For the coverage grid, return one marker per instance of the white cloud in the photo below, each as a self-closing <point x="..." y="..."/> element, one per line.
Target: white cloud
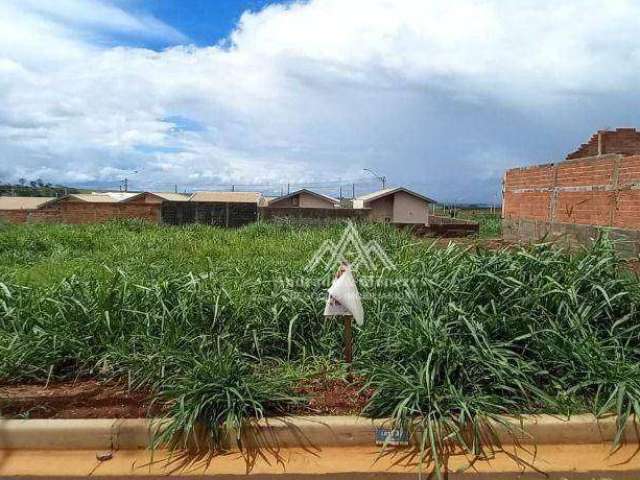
<point x="423" y="90"/>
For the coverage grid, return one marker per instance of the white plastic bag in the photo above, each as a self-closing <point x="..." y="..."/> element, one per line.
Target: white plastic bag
<point x="344" y="298"/>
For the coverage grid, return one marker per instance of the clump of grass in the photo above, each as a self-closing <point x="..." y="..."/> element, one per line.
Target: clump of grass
<point x="214" y="394"/>
<point x="492" y="334"/>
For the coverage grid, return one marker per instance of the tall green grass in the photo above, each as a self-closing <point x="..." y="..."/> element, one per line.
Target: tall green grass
<point x="222" y="324"/>
<point x="490" y="223"/>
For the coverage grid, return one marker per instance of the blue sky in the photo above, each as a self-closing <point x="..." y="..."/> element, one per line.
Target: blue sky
<point x="205" y="22"/>
<point x="440" y="96"/>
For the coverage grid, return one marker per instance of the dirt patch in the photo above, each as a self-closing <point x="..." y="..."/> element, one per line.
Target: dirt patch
<point x="333" y="396"/>
<point x="93" y="399"/>
<point x="73" y="399"/>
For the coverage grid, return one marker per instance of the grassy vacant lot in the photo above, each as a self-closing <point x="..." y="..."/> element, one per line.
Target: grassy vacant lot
<point x="490" y="223"/>
<point x="222" y="324"/>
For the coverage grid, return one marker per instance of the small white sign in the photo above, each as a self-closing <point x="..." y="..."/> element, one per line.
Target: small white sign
<point x="392" y="436"/>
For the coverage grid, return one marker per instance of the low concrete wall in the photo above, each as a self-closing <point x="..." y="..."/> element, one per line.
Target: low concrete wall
<point x="444" y="227"/>
<point x="520" y="229"/>
<point x="315" y="213"/>
<point x="299" y="431"/>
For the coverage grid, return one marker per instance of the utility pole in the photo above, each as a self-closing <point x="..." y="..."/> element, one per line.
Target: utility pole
<point x="340" y="192"/>
<point x="353" y="190"/>
<point x="288" y="189"/>
<point x="382" y="178"/>
<point x="126" y="180"/>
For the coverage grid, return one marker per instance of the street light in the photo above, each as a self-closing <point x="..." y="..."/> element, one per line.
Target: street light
<point x="382" y="178"/>
<point x="125" y="181"/>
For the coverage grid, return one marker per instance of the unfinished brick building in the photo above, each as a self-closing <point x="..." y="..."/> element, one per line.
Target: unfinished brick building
<point x="624" y="141"/>
<point x="596" y="188"/>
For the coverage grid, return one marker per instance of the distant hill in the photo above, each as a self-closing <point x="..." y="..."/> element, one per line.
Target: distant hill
<point x="35" y="188"/>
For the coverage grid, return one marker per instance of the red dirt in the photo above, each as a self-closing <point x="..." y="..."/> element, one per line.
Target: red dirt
<point x="79" y="399"/>
<point x="333" y="396"/>
<point x="92" y="399"/>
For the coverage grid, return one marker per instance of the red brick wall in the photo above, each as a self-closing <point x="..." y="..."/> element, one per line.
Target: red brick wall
<point x="528" y="193"/>
<point x="14" y="216"/>
<point x="74" y="211"/>
<point x="50" y="213"/>
<point x="83" y="212"/>
<point x="625" y="141"/>
<point x="603" y="191"/>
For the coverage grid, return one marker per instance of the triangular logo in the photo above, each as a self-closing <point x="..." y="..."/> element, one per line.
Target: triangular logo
<point x="349" y="248"/>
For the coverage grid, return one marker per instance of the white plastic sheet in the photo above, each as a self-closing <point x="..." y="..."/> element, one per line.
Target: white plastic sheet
<point x="344" y="298"/>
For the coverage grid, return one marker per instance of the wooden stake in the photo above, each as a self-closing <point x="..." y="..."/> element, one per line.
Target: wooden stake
<point x="348" y="340"/>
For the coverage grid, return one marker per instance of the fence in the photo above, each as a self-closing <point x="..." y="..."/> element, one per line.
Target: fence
<point x="223" y="214"/>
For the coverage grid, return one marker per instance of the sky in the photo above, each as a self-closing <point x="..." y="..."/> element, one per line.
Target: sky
<point x="439" y="96"/>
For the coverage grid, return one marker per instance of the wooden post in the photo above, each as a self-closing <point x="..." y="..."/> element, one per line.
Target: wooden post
<point x="348" y="339"/>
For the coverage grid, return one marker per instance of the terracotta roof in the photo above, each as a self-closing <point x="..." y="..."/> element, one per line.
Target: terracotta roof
<point x="226" y="197"/>
<point x="172" y="197"/>
<point x="335" y="201"/>
<point x="389" y="191"/>
<point x="24" y="203"/>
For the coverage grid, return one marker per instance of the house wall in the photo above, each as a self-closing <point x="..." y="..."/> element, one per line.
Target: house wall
<point x="381" y="209"/>
<point x="305" y="200"/>
<point x="311" y="201"/>
<point x="284" y="203"/>
<point x="601" y="191"/>
<point x="409" y="209"/>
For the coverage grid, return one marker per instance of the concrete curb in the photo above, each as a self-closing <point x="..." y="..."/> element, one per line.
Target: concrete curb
<point x="287" y="432"/>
